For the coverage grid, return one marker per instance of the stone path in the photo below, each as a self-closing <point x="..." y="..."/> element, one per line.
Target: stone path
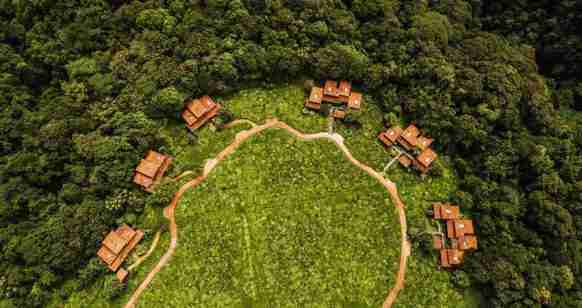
<point x="169" y="211"/>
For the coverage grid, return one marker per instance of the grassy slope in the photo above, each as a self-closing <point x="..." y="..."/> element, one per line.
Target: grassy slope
<point x="243" y="242"/>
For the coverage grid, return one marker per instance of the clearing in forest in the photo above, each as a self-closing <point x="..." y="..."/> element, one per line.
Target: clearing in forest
<point x="290" y="221"/>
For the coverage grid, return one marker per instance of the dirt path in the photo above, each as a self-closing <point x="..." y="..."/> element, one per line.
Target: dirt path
<point x="169" y="211"/>
<point x="144" y="257"/>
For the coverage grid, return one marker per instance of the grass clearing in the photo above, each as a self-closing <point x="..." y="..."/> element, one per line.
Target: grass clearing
<point x="286" y="223"/>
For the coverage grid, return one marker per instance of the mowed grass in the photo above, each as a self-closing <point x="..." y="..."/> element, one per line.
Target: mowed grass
<point x="285" y="223"/>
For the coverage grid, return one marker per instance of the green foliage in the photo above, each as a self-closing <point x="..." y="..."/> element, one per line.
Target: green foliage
<point x="433" y="27"/>
<point x="112" y="288"/>
<point x="340" y="61"/>
<point x="82" y="67"/>
<point x="168" y="101"/>
<point x="83" y="81"/>
<point x="156" y="19"/>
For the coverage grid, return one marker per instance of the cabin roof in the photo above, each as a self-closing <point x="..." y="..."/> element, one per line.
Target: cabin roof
<point x="393" y="133"/>
<point x="467" y="242"/>
<point x="426" y="157"/>
<point x="460" y="227"/>
<point x="148" y="168"/>
<point x="446" y="211"/>
<point x="199" y="111"/>
<point x="355" y="100"/>
<point x="330" y="88"/>
<point x="344" y="88"/>
<point x="198" y="107"/>
<point x="316" y="95"/>
<point x="410" y="135"/>
<point x="151" y="169"/>
<point x="404" y="160"/>
<point x="424" y="142"/>
<point x="437" y="242"/>
<point x="117" y="244"/>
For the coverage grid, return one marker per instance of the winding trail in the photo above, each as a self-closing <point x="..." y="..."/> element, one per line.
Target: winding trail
<point x="144" y="257"/>
<point x="169" y="211"/>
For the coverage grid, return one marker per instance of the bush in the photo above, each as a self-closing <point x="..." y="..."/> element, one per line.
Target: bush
<point x="89" y="273"/>
<point x="168" y="101"/>
<point x="112" y="288"/>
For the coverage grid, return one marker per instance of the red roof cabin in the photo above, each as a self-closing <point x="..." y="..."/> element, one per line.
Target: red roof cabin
<point x="404" y="160"/>
<point x="390" y="136"/>
<point x="446" y="211"/>
<point x="116" y="247"/>
<point x="465" y="243"/>
<point x="408" y="138"/>
<point x="330" y="88"/>
<point x="345" y="88"/>
<point x="424" y="161"/>
<point x="334" y="94"/>
<point x="338" y="113"/>
<point x="151" y="170"/>
<point x="451" y="258"/>
<point x="199" y="111"/>
<point x="355" y="101"/>
<point x="438" y="242"/>
<point x="315" y="97"/>
<point x="423" y="142"/>
<point x="460" y="227"/>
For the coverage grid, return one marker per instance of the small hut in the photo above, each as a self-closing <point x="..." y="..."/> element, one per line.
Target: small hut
<point x="451" y="258"/>
<point x="116" y="247"/>
<point x="199" y="111"/>
<point x="355" y="101"/>
<point x="314" y="100"/>
<point x="423" y="142"/>
<point x="424" y="161"/>
<point x="330" y="88"/>
<point x="465" y="243"/>
<point x="151" y="169"/>
<point x="460" y="227"/>
<point x="446" y="211"/>
<point x="338" y="113"/>
<point x="404" y="160"/>
<point x="345" y="88"/>
<point x="438" y="242"/>
<point x="334" y="94"/>
<point x="389" y="137"/>
<point x="408" y="138"/>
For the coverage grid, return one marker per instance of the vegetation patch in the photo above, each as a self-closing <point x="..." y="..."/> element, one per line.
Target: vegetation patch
<point x="291" y="222"/>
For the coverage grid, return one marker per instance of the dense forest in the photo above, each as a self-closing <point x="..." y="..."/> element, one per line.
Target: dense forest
<point x="85" y="85"/>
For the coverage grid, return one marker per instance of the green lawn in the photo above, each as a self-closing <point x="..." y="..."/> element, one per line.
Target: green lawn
<point x="285" y="223"/>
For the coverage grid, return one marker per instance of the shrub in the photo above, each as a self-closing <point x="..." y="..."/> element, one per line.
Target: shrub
<point x="112" y="287"/>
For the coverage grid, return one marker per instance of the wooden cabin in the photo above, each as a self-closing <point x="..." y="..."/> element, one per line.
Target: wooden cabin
<point x="314" y="100"/>
<point x="116" y="247"/>
<point x="408" y="138"/>
<point x="355" y="101"/>
<point x="425" y="160"/>
<point x="465" y="242"/>
<point x="390" y="136"/>
<point x="423" y="142"/>
<point x="460" y="227"/>
<point x="404" y="160"/>
<point x="338" y="113"/>
<point x="345" y="88"/>
<point x="451" y="258"/>
<point x="198" y="111"/>
<point x="122" y="274"/>
<point x="446" y="211"/>
<point x="334" y="94"/>
<point x="151" y="169"/>
<point x="330" y="88"/>
<point x="438" y="242"/>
